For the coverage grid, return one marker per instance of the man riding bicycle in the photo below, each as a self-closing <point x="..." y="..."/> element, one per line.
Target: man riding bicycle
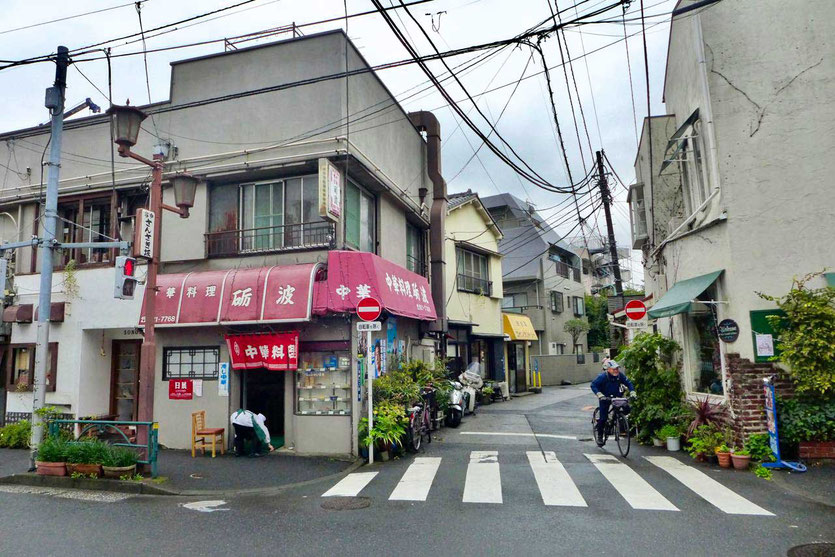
<point x="609" y="384"/>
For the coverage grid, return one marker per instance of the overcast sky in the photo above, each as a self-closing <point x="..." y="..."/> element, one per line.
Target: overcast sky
<point x="527" y="124"/>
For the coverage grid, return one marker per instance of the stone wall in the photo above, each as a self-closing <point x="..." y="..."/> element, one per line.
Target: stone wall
<point x="565" y="367"/>
<point x="746" y="396"/>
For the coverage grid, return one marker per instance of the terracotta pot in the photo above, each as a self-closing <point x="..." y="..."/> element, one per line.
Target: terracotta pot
<point x="116" y="472"/>
<point x="724" y="459"/>
<point x="658" y="442"/>
<point x="86" y="469"/>
<point x="741" y="461"/>
<point x="51" y="468"/>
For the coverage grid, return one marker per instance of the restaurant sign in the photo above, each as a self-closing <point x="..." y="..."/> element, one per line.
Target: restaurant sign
<point x="273" y="351"/>
<point x="330" y="191"/>
<point x="180" y="389"/>
<point x="143" y="239"/>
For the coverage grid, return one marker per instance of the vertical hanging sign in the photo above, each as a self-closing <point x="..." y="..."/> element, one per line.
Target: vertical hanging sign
<point x="223" y="380"/>
<point x="143" y="236"/>
<point x="330" y="190"/>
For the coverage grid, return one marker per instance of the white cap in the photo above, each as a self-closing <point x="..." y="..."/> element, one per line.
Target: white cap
<point x="611" y="364"/>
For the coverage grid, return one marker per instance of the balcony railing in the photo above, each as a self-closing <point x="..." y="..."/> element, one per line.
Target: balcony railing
<point x="567" y="271"/>
<point x="287" y="237"/>
<point x="476" y="285"/>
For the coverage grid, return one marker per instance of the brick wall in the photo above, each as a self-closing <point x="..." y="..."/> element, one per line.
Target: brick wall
<point x="817" y="449"/>
<point x="746" y="396"/>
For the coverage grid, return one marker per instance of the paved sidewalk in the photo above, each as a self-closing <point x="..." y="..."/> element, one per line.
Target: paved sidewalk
<point x="816" y="484"/>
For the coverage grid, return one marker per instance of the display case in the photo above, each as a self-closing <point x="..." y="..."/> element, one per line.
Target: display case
<point x="323" y="384"/>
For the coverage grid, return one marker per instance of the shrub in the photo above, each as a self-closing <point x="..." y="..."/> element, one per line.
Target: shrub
<point x="806" y="336"/>
<point x="762" y="472"/>
<point x="668" y="430"/>
<point x="759" y="447"/>
<point x="119" y="457"/>
<point x="16" y="436"/>
<point x="390" y="423"/>
<point x="53" y="450"/>
<point x="806" y="419"/>
<point x="647" y="361"/>
<point x="396" y="386"/>
<point x="705" y="440"/>
<point x="706" y="413"/>
<point x="87" y="452"/>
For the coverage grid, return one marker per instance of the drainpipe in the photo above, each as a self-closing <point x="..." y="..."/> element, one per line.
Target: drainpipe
<point x="426" y="122"/>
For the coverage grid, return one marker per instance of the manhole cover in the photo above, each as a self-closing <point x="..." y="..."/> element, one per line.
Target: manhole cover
<point x="813" y="550"/>
<point x="346" y="503"/>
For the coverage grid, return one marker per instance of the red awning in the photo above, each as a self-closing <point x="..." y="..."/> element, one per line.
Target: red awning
<point x="273" y="351"/>
<point x="353" y="276"/>
<point x="280" y="294"/>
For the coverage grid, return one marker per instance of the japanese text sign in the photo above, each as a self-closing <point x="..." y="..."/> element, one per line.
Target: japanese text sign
<point x="273" y="351"/>
<point x="330" y="190"/>
<point x="143" y="241"/>
<point x="180" y="389"/>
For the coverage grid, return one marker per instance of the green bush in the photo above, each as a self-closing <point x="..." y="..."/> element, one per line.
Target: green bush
<point x="397" y="386"/>
<point x="705" y="440"/>
<point x="762" y="472"/>
<point x="390" y="422"/>
<point x="87" y="452"/>
<point x="53" y="450"/>
<point x="759" y="447"/>
<point x="16" y="436"/>
<point x="119" y="457"/>
<point x="668" y="430"/>
<point x="648" y="362"/>
<point x="806" y="419"/>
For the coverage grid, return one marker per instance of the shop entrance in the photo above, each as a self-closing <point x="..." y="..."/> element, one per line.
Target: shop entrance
<point x="263" y="393"/>
<point x="516" y="367"/>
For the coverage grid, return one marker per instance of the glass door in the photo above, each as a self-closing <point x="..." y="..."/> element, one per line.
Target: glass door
<point x="124" y="381"/>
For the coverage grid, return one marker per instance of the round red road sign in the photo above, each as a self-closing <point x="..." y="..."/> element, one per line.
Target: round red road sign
<point x="369" y="309"/>
<point x="635" y="310"/>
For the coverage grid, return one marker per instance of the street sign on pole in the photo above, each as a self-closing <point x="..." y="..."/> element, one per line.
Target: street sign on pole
<point x="635" y="310"/>
<point x="365" y="326"/>
<point x="639" y="324"/>
<point x="369" y="309"/>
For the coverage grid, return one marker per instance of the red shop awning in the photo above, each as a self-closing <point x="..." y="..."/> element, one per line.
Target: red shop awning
<point x="274" y="351"/>
<point x="353" y="276"/>
<point x="280" y="294"/>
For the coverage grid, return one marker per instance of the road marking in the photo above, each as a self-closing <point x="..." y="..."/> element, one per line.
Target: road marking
<point x="484" y="482"/>
<point x="632" y="487"/>
<point x="707" y="488"/>
<point x="510" y="434"/>
<point x="77" y="494"/>
<point x="415" y="483"/>
<point x="205" y="506"/>
<point x="555" y="485"/>
<point x="350" y="485"/>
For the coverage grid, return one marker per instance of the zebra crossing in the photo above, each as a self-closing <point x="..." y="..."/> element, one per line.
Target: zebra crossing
<point x="483" y="482"/>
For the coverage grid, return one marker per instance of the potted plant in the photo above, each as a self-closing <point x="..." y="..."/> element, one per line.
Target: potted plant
<point x="52" y="457"/>
<point x="741" y="459"/>
<point x="704" y="441"/>
<point x="487" y="395"/>
<point x="723" y="454"/>
<point x="118" y="462"/>
<point x="86" y="457"/>
<point x="672" y="434"/>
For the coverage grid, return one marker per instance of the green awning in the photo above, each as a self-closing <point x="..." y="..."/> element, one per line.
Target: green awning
<point x="679" y="298"/>
<point x="830" y="279"/>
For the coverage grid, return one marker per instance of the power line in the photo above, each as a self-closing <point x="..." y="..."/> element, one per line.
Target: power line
<point x="591" y="88"/>
<point x="69" y="17"/>
<point x="629" y="70"/>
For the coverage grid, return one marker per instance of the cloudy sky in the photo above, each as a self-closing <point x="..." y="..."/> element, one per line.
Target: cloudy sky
<point x="602" y="76"/>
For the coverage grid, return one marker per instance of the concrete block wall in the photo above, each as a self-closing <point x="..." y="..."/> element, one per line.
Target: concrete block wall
<point x="564" y="367"/>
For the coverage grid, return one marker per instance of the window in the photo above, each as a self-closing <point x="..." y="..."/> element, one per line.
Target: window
<point x="578" y="304"/>
<point x="360" y="219"/>
<point x="556" y="348"/>
<point x="693" y="166"/>
<point x="515" y="302"/>
<point x="190" y="362"/>
<point x="19" y="364"/>
<point x="84" y="220"/>
<point x="557" y="302"/>
<point x="638" y="213"/>
<point x="472" y="272"/>
<point x="415" y="250"/>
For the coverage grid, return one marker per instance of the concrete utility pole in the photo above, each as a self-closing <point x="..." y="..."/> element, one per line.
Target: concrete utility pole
<point x="607" y="200"/>
<point x="55" y="103"/>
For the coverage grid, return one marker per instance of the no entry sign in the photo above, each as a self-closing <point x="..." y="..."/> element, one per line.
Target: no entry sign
<point x="369" y="309"/>
<point x="636" y="310"/>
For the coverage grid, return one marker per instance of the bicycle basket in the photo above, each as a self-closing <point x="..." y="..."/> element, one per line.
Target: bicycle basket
<point x="620" y="403"/>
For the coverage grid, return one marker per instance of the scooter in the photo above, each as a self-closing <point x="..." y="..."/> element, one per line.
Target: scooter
<point x="472" y="383"/>
<point x="456" y="405"/>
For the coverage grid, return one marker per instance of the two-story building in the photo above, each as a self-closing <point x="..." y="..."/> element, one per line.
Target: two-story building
<point x="296" y="218"/>
<point x="542" y="277"/>
<point x="733" y="191"/>
<point x="474" y="286"/>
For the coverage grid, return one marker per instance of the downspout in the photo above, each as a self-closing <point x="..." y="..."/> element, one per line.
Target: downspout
<point x="425" y="122"/>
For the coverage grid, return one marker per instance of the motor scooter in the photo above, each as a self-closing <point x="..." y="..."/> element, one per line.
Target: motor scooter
<point x="472" y="384"/>
<point x="456" y="405"/>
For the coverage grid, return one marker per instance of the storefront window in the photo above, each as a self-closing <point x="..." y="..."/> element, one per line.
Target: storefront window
<point x="323" y="384"/>
<point x="705" y="359"/>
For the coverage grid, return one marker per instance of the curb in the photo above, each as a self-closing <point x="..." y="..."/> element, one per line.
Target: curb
<point x="143" y="488"/>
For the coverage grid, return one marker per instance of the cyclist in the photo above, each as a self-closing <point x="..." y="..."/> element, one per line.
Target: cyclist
<point x="608" y="384"/>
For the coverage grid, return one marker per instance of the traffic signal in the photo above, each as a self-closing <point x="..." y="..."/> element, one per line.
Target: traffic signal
<point x="125" y="277"/>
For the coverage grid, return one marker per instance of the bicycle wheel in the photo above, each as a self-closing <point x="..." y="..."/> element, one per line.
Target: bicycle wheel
<point x="415" y="426"/>
<point x="594" y="419"/>
<point x="622" y="431"/>
<point x="427" y="425"/>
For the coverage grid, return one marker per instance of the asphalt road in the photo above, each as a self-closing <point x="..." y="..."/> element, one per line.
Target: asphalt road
<point x="589" y="513"/>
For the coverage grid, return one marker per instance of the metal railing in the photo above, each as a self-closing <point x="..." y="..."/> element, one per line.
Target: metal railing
<point x="286" y="237"/>
<point x="151" y="448"/>
<point x="567" y="271"/>
<point x="476" y="285"/>
<point x="416" y="265"/>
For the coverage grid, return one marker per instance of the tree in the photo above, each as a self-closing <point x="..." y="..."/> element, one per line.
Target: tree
<point x="575" y="328"/>
<point x="596" y="311"/>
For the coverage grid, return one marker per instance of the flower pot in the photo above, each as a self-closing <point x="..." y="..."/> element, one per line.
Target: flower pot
<point x="741" y="461"/>
<point x="86" y="469"/>
<point x="385" y="456"/>
<point x="673" y="444"/>
<point x="51" y="468"/>
<point x="116" y="472"/>
<point x="658" y="442"/>
<point x="724" y="459"/>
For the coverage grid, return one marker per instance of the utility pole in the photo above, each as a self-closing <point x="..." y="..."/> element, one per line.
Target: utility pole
<point x="55" y="103"/>
<point x="606" y="195"/>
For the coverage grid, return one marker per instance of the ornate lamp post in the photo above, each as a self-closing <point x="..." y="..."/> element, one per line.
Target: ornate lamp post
<point x="126" y="123"/>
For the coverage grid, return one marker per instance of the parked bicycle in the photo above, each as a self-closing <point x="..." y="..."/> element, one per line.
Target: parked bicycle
<point x="420" y="422"/>
<point x="617" y="423"/>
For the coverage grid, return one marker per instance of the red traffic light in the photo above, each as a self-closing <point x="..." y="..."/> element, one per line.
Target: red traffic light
<point x="130" y="265"/>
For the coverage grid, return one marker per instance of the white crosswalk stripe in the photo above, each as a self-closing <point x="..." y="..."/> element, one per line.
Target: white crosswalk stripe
<point x="484" y="482"/>
<point x="707" y="488"/>
<point x="555" y="485"/>
<point x="351" y="485"/>
<point x="416" y="482"/>
<point x="637" y="492"/>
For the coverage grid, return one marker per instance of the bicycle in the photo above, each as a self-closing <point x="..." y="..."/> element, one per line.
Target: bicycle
<point x="617" y="421"/>
<point x="420" y="423"/>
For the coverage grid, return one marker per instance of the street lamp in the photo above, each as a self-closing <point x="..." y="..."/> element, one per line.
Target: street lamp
<point x="126" y="121"/>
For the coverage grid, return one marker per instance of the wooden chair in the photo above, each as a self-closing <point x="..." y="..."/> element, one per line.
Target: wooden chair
<point x="200" y="433"/>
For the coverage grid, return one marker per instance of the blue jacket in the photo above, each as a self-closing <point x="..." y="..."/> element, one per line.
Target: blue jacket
<point x="609" y="385"/>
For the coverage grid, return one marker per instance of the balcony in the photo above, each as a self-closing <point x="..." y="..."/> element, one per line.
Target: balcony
<point x="566" y="271"/>
<point x="474" y="285"/>
<point x="271" y="239"/>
